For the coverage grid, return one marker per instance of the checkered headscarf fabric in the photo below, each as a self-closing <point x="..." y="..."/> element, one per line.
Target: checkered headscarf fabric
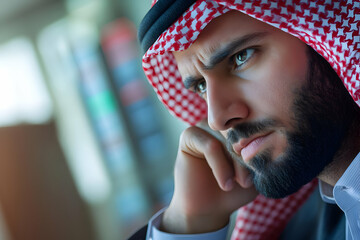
<point x="328" y="26"/>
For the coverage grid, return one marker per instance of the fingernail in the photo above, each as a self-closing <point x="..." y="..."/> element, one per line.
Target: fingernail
<point x="229" y="185"/>
<point x="249" y="181"/>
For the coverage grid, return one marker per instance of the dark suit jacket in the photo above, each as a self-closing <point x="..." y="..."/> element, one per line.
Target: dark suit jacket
<point x="140" y="234"/>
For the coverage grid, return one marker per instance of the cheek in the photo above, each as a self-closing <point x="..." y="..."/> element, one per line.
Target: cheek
<point x="276" y="81"/>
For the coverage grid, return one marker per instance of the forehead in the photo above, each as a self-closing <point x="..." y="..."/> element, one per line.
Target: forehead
<point x="217" y="34"/>
<point x="226" y="27"/>
<point x="231" y="23"/>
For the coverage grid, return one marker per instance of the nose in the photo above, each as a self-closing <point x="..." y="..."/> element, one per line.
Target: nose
<point x="226" y="105"/>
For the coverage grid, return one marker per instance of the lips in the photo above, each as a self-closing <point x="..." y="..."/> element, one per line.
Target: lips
<point x="249" y="147"/>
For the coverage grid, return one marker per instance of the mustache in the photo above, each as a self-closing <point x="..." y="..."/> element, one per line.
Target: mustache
<point x="247" y="129"/>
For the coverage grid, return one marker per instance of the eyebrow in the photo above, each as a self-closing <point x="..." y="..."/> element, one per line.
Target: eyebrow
<point x="219" y="55"/>
<point x="222" y="53"/>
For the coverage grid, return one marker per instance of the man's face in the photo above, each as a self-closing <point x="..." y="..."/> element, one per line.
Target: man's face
<point x="258" y="85"/>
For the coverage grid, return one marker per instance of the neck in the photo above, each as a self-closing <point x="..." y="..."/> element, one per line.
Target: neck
<point x="343" y="158"/>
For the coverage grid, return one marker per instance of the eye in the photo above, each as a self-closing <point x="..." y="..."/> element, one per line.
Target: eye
<point x="200" y="87"/>
<point x="243" y="56"/>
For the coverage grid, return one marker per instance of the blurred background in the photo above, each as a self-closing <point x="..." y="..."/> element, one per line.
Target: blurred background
<point x="86" y="149"/>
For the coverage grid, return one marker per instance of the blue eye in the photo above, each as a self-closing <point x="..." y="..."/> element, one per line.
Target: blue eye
<point x="200" y="87"/>
<point x="243" y="56"/>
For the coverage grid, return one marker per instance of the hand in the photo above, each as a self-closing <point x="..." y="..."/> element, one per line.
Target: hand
<point x="209" y="186"/>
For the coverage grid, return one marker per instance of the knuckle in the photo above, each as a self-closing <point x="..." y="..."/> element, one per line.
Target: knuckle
<point x="184" y="133"/>
<point x="188" y="132"/>
<point x="213" y="145"/>
<point x="198" y="142"/>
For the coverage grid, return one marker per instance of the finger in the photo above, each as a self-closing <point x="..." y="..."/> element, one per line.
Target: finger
<point x="242" y="175"/>
<point x="202" y="145"/>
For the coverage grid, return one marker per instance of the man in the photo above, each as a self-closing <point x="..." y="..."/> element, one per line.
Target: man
<point x="282" y="108"/>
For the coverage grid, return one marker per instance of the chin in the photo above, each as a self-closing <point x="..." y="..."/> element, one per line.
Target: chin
<point x="280" y="177"/>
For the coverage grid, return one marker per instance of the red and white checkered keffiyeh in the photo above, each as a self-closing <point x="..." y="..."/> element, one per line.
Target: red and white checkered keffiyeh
<point x="331" y="27"/>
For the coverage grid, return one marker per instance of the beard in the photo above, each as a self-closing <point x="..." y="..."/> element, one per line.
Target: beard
<point x="323" y="112"/>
